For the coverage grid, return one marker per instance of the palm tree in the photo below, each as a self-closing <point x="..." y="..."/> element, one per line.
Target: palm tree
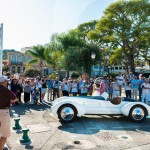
<point x="38" y="56"/>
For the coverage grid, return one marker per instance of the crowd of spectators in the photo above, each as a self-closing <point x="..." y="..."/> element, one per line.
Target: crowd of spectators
<point x="34" y="89"/>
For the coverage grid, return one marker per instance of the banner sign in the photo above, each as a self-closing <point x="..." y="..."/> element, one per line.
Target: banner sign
<point x="1" y="48"/>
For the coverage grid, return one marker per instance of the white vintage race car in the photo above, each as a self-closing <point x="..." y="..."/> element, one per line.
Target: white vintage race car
<point x="68" y="108"/>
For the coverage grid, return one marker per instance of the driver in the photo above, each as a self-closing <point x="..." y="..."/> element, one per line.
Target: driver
<point x="96" y="88"/>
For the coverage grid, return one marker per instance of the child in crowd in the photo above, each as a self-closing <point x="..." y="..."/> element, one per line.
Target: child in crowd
<point x="35" y="95"/>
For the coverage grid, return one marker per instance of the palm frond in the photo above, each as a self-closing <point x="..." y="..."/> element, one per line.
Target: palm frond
<point x="32" y="53"/>
<point x="31" y="62"/>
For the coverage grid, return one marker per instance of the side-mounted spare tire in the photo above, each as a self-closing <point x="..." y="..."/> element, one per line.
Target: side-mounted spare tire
<point x="67" y="113"/>
<point x="116" y="100"/>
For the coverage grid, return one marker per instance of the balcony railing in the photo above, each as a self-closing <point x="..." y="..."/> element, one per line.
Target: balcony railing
<point x="16" y="63"/>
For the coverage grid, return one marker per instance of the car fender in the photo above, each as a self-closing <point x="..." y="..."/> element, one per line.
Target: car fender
<point x="125" y="110"/>
<point x="79" y="107"/>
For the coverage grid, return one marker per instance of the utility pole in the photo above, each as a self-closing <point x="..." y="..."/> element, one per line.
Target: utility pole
<point x="1" y="48"/>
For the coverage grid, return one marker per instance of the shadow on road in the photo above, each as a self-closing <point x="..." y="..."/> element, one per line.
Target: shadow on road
<point x="23" y="109"/>
<point x="94" y="124"/>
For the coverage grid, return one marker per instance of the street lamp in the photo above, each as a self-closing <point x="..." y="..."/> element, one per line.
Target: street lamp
<point x="107" y="62"/>
<point x="93" y="55"/>
<point x="107" y="57"/>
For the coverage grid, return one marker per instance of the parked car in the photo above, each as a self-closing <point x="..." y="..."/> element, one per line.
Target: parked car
<point x="68" y="108"/>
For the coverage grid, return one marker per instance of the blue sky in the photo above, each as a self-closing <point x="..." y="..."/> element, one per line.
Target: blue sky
<point x="31" y="22"/>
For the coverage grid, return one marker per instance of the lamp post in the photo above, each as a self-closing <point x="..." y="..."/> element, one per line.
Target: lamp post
<point x="44" y="69"/>
<point x="93" y="55"/>
<point x="99" y="70"/>
<point x="108" y="69"/>
<point x="107" y="62"/>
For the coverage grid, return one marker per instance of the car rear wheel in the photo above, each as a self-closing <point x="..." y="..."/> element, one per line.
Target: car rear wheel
<point x="67" y="113"/>
<point x="138" y="113"/>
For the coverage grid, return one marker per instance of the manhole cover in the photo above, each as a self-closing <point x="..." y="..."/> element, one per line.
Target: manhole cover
<point x="125" y="137"/>
<point x="37" y="128"/>
<point x="77" y="142"/>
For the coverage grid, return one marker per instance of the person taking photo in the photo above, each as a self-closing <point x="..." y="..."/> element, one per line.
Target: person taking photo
<point x="6" y="97"/>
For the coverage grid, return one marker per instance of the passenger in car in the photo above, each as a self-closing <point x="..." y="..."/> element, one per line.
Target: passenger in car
<point x="96" y="88"/>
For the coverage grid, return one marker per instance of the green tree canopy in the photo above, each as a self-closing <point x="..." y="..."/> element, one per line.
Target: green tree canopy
<point x="77" y="52"/>
<point x="125" y="25"/>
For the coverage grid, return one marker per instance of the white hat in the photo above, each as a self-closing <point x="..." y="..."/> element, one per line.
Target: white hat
<point x="3" y="78"/>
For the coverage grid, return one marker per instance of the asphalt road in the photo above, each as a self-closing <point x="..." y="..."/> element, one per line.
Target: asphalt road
<point x="85" y="133"/>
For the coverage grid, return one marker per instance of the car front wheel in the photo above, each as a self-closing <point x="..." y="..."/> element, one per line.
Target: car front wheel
<point x="138" y="113"/>
<point x="67" y="113"/>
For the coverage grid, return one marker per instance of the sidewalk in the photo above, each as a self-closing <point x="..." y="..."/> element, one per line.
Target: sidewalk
<point x="36" y="119"/>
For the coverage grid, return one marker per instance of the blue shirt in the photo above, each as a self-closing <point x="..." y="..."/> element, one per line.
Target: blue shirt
<point x="50" y="84"/>
<point x="135" y="83"/>
<point x="56" y="84"/>
<point x="65" y="87"/>
<point x="84" y="88"/>
<point x="80" y="82"/>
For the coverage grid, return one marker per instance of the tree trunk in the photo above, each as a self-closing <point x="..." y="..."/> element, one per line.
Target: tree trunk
<point x="131" y="63"/>
<point x="67" y="74"/>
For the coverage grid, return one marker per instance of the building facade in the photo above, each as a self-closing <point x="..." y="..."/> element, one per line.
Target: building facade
<point x="16" y="62"/>
<point x="102" y="70"/>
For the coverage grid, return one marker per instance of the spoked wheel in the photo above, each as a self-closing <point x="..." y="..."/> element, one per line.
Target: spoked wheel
<point x="138" y="114"/>
<point x="67" y="113"/>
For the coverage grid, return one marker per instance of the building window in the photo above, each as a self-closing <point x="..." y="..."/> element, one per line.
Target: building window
<point x="18" y="70"/>
<point x="13" y="59"/>
<point x="120" y="68"/>
<point x="13" y="69"/>
<point x="95" y="67"/>
<point x="19" y="60"/>
<point x="116" y="68"/>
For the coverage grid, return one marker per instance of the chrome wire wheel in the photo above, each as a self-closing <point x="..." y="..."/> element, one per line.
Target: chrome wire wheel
<point x="138" y="114"/>
<point x="67" y="114"/>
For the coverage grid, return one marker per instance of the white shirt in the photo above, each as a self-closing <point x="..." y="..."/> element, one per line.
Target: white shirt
<point x="120" y="80"/>
<point x="127" y="87"/>
<point x="146" y="91"/>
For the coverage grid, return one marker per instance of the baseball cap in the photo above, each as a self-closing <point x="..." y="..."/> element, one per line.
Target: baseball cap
<point x="2" y="79"/>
